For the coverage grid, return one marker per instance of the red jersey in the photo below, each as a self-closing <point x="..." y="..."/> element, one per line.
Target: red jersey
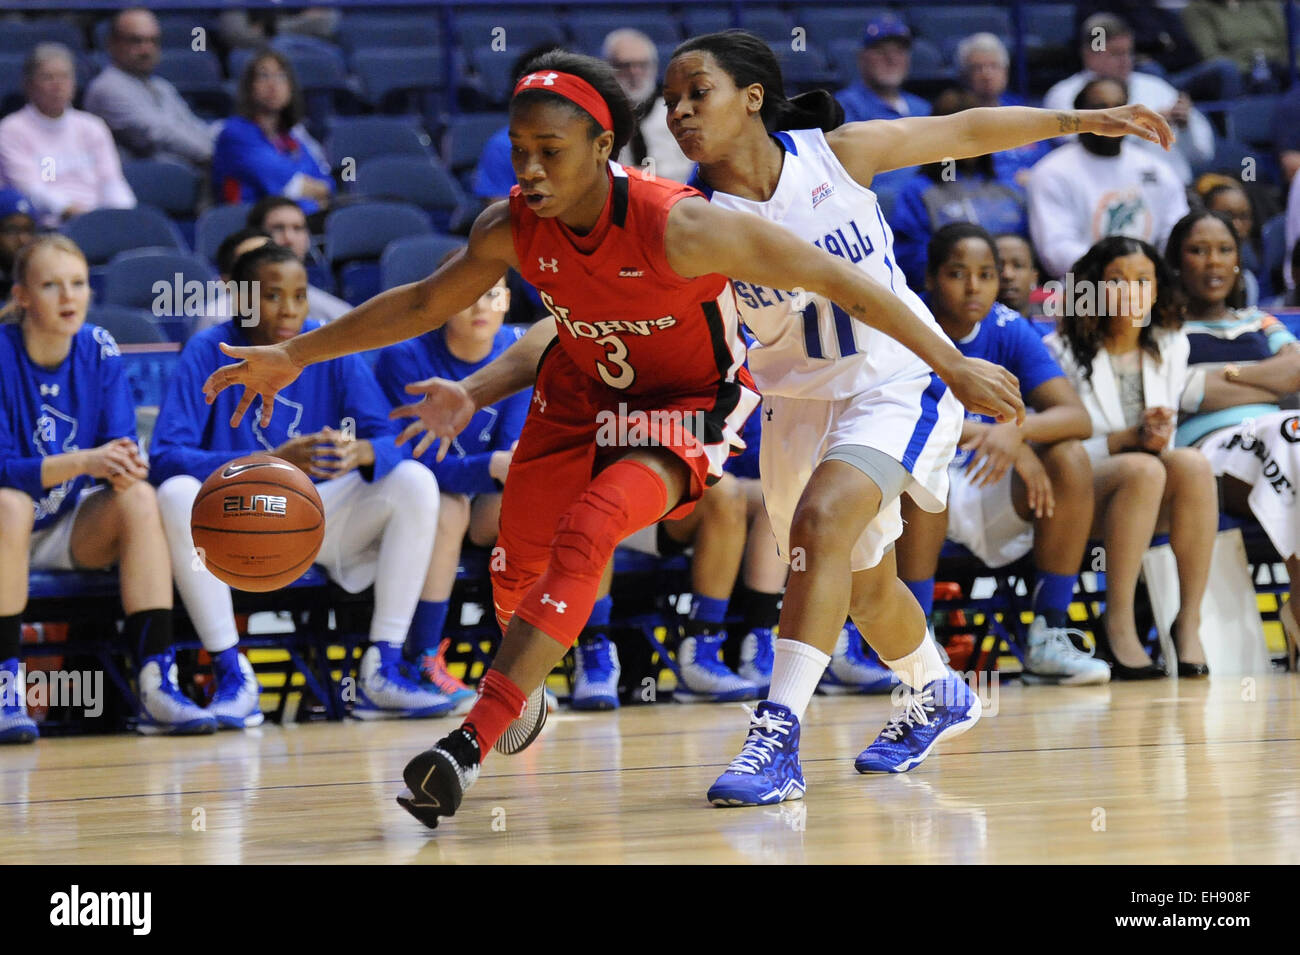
<point x="624" y="316"/>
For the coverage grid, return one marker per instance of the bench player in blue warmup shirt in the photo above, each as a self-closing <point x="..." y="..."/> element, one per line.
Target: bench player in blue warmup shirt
<point x="381" y="508"/>
<point x="1012" y="488"/>
<point x="72" y="488"/>
<point x="471" y="475"/>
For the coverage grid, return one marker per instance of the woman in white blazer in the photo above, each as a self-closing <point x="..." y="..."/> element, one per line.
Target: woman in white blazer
<point x="1120" y="342"/>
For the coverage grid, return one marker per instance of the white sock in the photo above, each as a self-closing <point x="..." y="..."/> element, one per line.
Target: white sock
<point x="207" y="600"/>
<point x="919" y="667"/>
<point x="796" y="670"/>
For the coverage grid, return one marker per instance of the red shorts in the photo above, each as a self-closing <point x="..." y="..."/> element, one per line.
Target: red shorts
<point x="577" y="426"/>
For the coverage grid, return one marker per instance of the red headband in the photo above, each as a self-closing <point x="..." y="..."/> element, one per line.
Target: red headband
<point x="573" y="88"/>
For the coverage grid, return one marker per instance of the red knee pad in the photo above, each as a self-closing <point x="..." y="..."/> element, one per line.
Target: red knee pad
<point x="623" y="498"/>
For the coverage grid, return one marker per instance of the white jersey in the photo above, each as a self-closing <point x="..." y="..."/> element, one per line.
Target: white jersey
<point x="809" y="347"/>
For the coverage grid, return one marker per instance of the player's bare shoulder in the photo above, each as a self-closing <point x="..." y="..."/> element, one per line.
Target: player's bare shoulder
<point x="859" y="147"/>
<point x="688" y="234"/>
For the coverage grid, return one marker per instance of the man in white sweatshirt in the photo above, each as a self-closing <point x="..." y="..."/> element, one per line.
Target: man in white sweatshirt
<point x="1099" y="186"/>
<point x="1106" y="47"/>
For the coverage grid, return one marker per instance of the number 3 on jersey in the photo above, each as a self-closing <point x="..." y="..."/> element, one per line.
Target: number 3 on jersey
<point x="623" y="374"/>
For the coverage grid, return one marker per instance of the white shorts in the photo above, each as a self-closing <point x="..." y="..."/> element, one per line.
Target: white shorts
<point x="985" y="522"/>
<point x="916" y="422"/>
<point x="51" y="547"/>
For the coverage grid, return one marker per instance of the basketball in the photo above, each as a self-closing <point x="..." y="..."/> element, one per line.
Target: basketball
<point x="258" y="523"/>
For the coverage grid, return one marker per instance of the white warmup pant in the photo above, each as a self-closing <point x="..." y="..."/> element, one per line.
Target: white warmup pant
<point x="378" y="532"/>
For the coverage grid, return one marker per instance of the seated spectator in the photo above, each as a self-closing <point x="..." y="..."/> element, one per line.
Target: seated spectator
<point x="714" y="533"/>
<point x="264" y="150"/>
<point x="1100" y="186"/>
<point x="381" y="509"/>
<point x="963" y="190"/>
<point x="1250" y="33"/>
<point x="61" y="158"/>
<point x="284" y="221"/>
<point x="17" y="229"/>
<point x="1226" y="195"/>
<point x="1123" y="348"/>
<point x="1252" y="362"/>
<point x="73" y="493"/>
<point x="635" y="60"/>
<point x="1020" y="275"/>
<point x="884" y="62"/>
<point x="1106" y="46"/>
<point x="146" y="114"/>
<point x="1012" y="488"/>
<point x="471" y="476"/>
<point x="256" y="28"/>
<point x="1163" y="47"/>
<point x="983" y="62"/>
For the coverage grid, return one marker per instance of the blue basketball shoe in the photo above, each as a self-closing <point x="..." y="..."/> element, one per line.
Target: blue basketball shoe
<point x="852" y="670"/>
<point x="944" y="708"/>
<point x="595" y="674"/>
<point x="757" y="657"/>
<point x="767" y="768"/>
<point x="15" y="725"/>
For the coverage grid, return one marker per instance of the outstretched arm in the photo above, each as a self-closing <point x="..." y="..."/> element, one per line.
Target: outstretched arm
<point x="445" y="407"/>
<point x="702" y="238"/>
<point x="880" y="145"/>
<point x="392" y="316"/>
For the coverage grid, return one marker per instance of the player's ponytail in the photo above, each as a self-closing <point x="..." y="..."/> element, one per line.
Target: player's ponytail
<point x="12" y="313"/>
<point x="747" y="59"/>
<point x="600" y="75"/>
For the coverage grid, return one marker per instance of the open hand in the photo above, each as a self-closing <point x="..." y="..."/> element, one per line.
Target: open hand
<point x="262" y="370"/>
<point x="1131" y="120"/>
<point x="442" y="412"/>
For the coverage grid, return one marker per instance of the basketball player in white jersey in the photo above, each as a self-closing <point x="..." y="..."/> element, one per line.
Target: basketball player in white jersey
<point x="851" y="418"/>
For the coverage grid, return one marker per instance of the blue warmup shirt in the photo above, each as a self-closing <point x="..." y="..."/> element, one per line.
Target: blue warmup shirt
<point x="81" y="404"/>
<point x="495" y="428"/>
<point x="1006" y="338"/>
<point x="195" y="438"/>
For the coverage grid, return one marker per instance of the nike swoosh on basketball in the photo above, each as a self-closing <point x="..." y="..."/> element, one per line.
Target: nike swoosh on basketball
<point x="232" y="469"/>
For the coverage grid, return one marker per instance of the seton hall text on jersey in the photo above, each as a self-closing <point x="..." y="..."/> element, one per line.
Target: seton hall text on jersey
<point x="847" y="242"/>
<point x="581" y="329"/>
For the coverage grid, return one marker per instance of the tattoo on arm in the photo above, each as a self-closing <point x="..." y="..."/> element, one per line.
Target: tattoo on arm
<point x="1068" y="123"/>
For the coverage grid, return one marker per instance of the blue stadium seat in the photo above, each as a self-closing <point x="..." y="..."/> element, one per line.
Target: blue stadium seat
<point x="102" y="233"/>
<point x="171" y="186"/>
<point x="177" y="30"/>
<point x="805" y="69"/>
<point x="938" y="23"/>
<point x="1051" y="23"/>
<point x="356" y="236"/>
<point x="129" y="326"/>
<point x="375" y="32"/>
<point x="771" y="24"/>
<point x="191" y="71"/>
<point x="417" y="180"/>
<point x="589" y="28"/>
<point x="130" y="281"/>
<point x="699" y="18"/>
<point x="492" y="68"/>
<point x="928" y="63"/>
<point x="1272" y="237"/>
<point x="400" y="80"/>
<point x="523" y="30"/>
<point x="465" y="136"/>
<point x="843" y="57"/>
<point x="826" y="24"/>
<point x="1252" y="120"/>
<point x="12" y="96"/>
<point x="148" y="370"/>
<point x="363" y="137"/>
<point x="413" y="258"/>
<point x="215" y="224"/>
<point x="19" y="36"/>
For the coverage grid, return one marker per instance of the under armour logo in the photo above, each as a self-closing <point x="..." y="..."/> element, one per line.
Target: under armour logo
<point x="546" y="79"/>
<point x="540" y="399"/>
<point x="768" y="412"/>
<point x="552" y="266"/>
<point x="52" y="390"/>
<point x="559" y="607"/>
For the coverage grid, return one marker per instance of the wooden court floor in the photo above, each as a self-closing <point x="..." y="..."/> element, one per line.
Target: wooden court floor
<point x="1162" y="772"/>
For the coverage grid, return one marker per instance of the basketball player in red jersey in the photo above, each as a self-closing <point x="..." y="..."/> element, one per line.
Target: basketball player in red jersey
<point x="636" y="404"/>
